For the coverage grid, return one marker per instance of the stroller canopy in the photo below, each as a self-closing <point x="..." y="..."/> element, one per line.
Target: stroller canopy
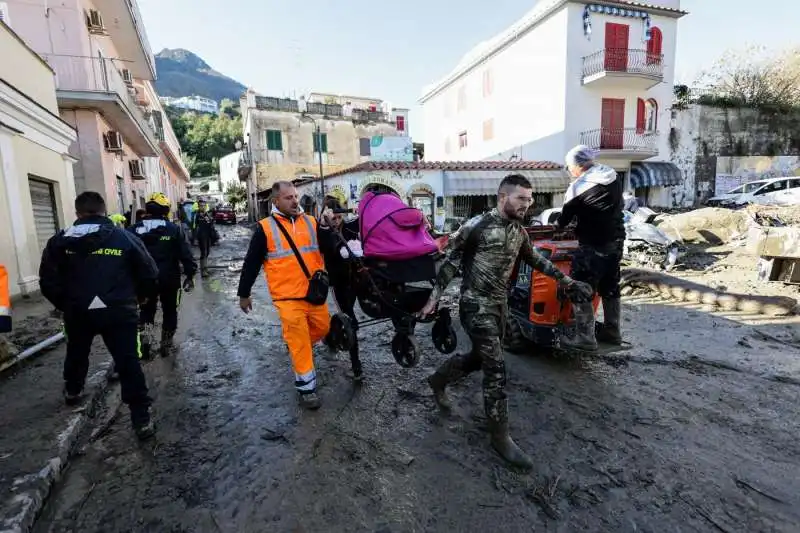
<point x="391" y="230"/>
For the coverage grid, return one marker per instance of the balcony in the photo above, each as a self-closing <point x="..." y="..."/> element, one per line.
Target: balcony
<point x="363" y="115"/>
<point x="625" y="143"/>
<point x="124" y="25"/>
<point x="269" y="103"/>
<point x="96" y="83"/>
<point x="326" y="110"/>
<point x="622" y="67"/>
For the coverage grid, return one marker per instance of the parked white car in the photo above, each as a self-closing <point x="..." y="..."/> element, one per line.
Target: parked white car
<point x="773" y="191"/>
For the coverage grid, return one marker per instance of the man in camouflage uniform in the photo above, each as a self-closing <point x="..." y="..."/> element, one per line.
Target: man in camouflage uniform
<point x="488" y="246"/>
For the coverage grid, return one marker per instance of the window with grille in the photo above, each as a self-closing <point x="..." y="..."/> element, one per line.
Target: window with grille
<point x="462" y="140"/>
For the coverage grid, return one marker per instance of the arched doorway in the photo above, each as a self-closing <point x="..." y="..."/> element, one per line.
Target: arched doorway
<point x="422" y="196"/>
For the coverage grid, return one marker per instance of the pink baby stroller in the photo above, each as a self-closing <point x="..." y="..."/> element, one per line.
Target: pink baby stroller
<point x="394" y="278"/>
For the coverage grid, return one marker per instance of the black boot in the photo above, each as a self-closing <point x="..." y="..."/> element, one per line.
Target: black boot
<point x="610" y="332"/>
<point x="355" y="363"/>
<point x="310" y="401"/>
<point x="506" y="447"/>
<point x="584" y="339"/>
<point x="142" y="423"/>
<point x="146" y="341"/>
<point x="72" y="399"/>
<point x="167" y="342"/>
<point x="438" y="383"/>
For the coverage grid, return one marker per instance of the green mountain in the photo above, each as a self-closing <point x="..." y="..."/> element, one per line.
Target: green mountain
<point x="182" y="73"/>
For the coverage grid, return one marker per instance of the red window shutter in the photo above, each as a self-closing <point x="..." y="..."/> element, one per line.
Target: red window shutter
<point x="612" y="124"/>
<point x="654" y="46"/>
<point x="640" y="116"/>
<point x="401" y="123"/>
<point x="617" y="37"/>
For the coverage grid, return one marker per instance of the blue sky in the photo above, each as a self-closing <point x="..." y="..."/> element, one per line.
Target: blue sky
<point x="391" y="50"/>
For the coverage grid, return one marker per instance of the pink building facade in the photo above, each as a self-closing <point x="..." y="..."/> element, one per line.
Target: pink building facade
<point x="104" y="71"/>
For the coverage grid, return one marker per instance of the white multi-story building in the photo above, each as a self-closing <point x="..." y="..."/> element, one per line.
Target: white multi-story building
<point x="596" y="72"/>
<point x="192" y="103"/>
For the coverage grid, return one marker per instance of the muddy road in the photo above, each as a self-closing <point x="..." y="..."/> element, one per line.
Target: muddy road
<point x="696" y="429"/>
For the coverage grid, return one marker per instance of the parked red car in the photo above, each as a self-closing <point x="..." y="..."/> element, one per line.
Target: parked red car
<point x="225" y="215"/>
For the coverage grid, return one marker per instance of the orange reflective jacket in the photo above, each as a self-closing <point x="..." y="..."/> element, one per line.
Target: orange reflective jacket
<point x="5" y="302"/>
<point x="285" y="278"/>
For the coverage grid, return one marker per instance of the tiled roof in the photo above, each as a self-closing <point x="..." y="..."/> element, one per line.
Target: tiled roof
<point x="449" y="165"/>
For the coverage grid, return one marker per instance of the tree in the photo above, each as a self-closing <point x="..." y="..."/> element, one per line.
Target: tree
<point x="205" y="138"/>
<point x="756" y="77"/>
<point x="229" y="108"/>
<point x="236" y="194"/>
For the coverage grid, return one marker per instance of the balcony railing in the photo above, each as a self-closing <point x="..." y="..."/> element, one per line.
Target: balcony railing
<point x="363" y="115"/>
<point x="621" y="140"/>
<point x="327" y="110"/>
<point x="276" y="104"/>
<point x="94" y="74"/>
<point x="624" y="60"/>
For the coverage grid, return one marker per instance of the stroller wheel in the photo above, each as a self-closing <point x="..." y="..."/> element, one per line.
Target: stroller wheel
<point x="405" y="350"/>
<point x="342" y="334"/>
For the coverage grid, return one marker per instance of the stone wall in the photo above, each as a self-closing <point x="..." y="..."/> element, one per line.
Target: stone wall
<point x="700" y="134"/>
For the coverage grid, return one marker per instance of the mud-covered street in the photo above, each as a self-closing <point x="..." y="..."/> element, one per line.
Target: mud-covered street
<point x="694" y="429"/>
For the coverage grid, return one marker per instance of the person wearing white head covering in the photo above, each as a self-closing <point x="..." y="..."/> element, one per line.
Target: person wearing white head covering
<point x="594" y="200"/>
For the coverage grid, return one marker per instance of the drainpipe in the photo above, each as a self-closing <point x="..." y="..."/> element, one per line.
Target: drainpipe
<point x="33" y="350"/>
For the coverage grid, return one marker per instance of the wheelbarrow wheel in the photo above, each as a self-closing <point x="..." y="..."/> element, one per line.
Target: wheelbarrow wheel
<point x="406" y="350"/>
<point x="342" y="335"/>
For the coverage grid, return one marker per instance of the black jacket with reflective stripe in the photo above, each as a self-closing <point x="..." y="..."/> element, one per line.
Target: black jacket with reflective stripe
<point x="167" y="244"/>
<point x="94" y="264"/>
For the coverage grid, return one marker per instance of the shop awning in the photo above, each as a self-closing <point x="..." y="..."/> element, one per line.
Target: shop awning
<point x="485" y="183"/>
<point x="655" y="174"/>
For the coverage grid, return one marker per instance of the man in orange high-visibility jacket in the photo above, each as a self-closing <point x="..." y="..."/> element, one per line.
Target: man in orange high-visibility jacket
<point x="303" y="323"/>
<point x="5" y="302"/>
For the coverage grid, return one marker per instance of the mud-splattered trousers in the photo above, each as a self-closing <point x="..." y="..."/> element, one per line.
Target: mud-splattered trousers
<point x="488" y="247"/>
<point x="599" y="267"/>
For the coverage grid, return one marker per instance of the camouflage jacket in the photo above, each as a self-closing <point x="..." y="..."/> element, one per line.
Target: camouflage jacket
<point x="487" y="248"/>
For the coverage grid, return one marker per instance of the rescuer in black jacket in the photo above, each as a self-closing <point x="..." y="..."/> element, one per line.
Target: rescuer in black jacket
<point x="168" y="246"/>
<point x="595" y="200"/>
<point x="96" y="274"/>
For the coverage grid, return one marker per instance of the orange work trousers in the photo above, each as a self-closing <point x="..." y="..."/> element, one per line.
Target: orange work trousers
<point x="303" y="325"/>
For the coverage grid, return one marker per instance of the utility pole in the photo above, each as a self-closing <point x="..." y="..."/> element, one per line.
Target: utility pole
<point x="319" y="146"/>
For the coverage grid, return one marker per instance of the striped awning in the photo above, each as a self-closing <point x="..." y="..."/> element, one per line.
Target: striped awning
<point x="485" y="183"/>
<point x="655" y="174"/>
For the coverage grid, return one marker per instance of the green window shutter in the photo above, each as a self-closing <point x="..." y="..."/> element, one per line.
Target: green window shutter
<point x="324" y="137"/>
<point x="274" y="140"/>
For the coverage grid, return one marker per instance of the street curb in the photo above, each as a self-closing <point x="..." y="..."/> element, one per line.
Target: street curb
<point x="20" y="512"/>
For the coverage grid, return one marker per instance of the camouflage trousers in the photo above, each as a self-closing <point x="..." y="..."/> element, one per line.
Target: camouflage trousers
<point x="484" y="322"/>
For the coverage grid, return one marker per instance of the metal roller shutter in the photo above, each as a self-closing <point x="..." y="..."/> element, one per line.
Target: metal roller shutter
<point x="44" y="210"/>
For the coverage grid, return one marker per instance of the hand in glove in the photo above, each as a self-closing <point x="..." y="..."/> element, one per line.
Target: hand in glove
<point x="578" y="291"/>
<point x="188" y="284"/>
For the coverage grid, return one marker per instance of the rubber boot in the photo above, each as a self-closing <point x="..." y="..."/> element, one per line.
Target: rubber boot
<point x="610" y="332"/>
<point x="167" y="343"/>
<point x="310" y="401"/>
<point x="504" y="445"/>
<point x="146" y="341"/>
<point x="438" y="383"/>
<point x="584" y="339"/>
